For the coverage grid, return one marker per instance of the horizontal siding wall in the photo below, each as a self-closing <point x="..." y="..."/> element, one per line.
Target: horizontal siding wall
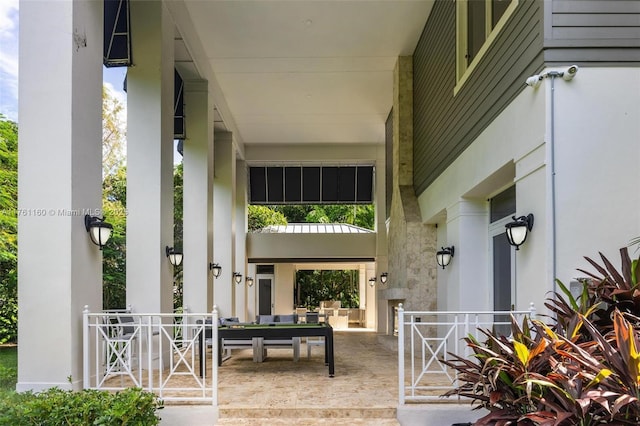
<point x="444" y="124"/>
<point x="584" y="31"/>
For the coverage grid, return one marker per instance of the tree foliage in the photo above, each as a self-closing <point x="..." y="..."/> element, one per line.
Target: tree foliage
<point x="262" y="216"/>
<point x="312" y="287"/>
<point x="358" y="215"/>
<point x="113" y="133"/>
<point x="8" y="230"/>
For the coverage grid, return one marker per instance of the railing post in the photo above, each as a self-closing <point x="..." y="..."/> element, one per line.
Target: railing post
<point x="214" y="356"/>
<point x="185" y="323"/>
<point x="532" y="311"/>
<point x="85" y="347"/>
<point x="401" y="353"/>
<point x="150" y="350"/>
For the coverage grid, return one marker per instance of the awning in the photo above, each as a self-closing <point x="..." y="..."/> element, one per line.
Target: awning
<point x="117" y="39"/>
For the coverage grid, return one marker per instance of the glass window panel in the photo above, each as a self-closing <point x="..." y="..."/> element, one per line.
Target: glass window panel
<point x="476" y="23"/>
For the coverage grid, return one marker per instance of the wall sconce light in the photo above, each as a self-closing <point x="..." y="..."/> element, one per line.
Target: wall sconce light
<point x="518" y="229"/>
<point x="175" y="257"/>
<point x="372" y="281"/>
<point x="443" y="257"/>
<point x="249" y="281"/>
<point x="383" y="277"/>
<point x="217" y="269"/>
<point x="98" y="230"/>
<point x="237" y="277"/>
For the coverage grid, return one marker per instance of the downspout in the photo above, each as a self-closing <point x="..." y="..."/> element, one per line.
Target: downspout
<point x="552" y="160"/>
<point x="534" y="81"/>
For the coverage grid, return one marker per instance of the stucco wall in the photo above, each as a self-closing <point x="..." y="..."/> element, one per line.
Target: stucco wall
<point x="595" y="129"/>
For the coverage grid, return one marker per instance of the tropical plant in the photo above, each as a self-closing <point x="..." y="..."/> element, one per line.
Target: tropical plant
<point x="582" y="369"/>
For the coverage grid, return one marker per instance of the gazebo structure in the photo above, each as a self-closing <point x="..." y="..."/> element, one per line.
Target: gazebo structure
<point x="454" y="118"/>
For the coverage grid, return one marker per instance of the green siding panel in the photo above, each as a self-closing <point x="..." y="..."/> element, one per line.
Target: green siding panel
<point x="446" y="124"/>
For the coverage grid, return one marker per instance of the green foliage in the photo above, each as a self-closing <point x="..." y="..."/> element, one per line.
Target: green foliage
<point x="583" y="369"/>
<point x="8" y="230"/>
<point x="8" y="367"/>
<point x="54" y="407"/>
<point x="114" y="254"/>
<point x="262" y="216"/>
<point x="359" y="215"/>
<point x="312" y="287"/>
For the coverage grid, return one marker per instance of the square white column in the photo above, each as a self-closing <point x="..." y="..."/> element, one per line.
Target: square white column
<point x="223" y="227"/>
<point x="59" y="175"/>
<point x="241" y="238"/>
<point x="150" y="159"/>
<point x="198" y="199"/>
<point x="465" y="281"/>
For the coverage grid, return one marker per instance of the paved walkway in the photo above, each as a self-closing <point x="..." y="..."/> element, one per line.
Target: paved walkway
<point x="279" y="391"/>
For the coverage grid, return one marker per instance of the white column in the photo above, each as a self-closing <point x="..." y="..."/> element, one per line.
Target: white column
<point x="59" y="175"/>
<point x="465" y="279"/>
<point x="198" y="199"/>
<point x="224" y="213"/>
<point x="241" y="238"/>
<point x="252" y="308"/>
<point x="150" y="159"/>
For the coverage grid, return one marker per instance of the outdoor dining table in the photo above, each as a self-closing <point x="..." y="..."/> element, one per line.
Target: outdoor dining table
<point x="273" y="331"/>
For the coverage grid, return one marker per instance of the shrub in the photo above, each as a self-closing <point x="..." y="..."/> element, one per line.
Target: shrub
<point x="583" y="369"/>
<point x="131" y="407"/>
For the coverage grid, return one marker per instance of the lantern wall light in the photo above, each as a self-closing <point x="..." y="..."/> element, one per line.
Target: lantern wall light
<point x="383" y="277"/>
<point x="249" y="281"/>
<point x="175" y="257"/>
<point x="237" y="277"/>
<point x="518" y="230"/>
<point x="372" y="281"/>
<point x="216" y="268"/>
<point x="99" y="230"/>
<point x="443" y="257"/>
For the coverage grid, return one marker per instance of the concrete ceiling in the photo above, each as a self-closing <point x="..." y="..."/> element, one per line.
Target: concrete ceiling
<point x="303" y="71"/>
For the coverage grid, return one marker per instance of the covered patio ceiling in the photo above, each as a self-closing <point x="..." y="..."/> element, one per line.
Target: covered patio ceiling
<point x="298" y="72"/>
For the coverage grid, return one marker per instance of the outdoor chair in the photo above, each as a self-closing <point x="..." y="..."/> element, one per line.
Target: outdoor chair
<point x="229" y="344"/>
<point x="119" y="342"/>
<point x="313" y="318"/>
<point x="293" y="343"/>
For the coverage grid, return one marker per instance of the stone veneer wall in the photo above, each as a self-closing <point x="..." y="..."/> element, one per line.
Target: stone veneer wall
<point x="411" y="243"/>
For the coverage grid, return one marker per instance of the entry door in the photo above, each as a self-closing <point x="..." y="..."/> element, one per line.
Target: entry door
<point x="503" y="273"/>
<point x="264" y="295"/>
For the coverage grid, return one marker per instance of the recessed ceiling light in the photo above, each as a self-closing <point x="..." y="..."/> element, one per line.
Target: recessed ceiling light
<point x="308" y="22"/>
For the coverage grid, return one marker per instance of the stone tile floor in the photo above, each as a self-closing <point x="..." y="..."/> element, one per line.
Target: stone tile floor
<point x="280" y="391"/>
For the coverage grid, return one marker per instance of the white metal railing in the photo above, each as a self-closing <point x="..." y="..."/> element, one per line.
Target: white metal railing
<point x="426" y="339"/>
<point x="156" y="352"/>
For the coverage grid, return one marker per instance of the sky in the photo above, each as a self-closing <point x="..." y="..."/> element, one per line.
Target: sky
<point x="9" y="25"/>
<point x="9" y="59"/>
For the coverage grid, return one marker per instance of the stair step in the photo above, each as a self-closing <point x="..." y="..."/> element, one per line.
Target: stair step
<point x="334" y="421"/>
<point x="308" y="413"/>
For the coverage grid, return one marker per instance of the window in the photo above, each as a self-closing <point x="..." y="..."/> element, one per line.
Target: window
<point x="478" y="23"/>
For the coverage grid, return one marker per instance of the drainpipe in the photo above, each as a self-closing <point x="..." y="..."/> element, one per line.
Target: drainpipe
<point x="534" y="81"/>
<point x="552" y="160"/>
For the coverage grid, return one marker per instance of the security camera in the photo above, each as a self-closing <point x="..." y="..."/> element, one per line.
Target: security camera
<point x="534" y="81"/>
<point x="570" y="73"/>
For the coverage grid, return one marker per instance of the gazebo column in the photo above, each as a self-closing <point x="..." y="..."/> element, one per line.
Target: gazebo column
<point x="150" y="159"/>
<point x="59" y="174"/>
<point x="223" y="228"/>
<point x="241" y="238"/>
<point x="198" y="199"/>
